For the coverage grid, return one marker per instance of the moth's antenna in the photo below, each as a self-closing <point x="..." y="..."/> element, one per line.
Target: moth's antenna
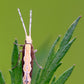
<point x="30" y="22"/>
<point x="22" y="22"/>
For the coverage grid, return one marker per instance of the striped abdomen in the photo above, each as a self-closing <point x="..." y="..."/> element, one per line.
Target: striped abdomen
<point x="27" y="63"/>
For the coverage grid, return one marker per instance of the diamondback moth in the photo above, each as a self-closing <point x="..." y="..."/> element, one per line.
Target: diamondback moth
<point x="28" y="53"/>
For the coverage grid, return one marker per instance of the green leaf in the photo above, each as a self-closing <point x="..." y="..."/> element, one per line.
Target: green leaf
<point x="62" y="79"/>
<point x="52" y="53"/>
<point x="69" y="33"/>
<point x="12" y="76"/>
<point x="53" y="81"/>
<point x="1" y="79"/>
<point x="16" y="72"/>
<point x="38" y="76"/>
<point x="15" y="55"/>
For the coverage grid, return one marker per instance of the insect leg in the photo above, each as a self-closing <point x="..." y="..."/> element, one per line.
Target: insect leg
<point x="37" y="63"/>
<point x="36" y="60"/>
<point x="21" y="45"/>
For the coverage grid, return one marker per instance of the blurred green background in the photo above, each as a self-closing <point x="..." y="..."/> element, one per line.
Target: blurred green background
<point x="50" y="18"/>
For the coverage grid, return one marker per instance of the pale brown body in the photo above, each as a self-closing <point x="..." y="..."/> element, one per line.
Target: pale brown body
<point x="27" y="63"/>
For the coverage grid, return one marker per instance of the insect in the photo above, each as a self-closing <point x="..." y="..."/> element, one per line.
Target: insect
<point x="28" y="53"/>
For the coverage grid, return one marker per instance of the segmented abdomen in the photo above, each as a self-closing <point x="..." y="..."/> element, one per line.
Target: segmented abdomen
<point x="27" y="63"/>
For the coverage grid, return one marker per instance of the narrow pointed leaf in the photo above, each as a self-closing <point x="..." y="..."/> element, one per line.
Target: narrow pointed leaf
<point x="16" y="73"/>
<point x="12" y="77"/>
<point x="53" y="47"/>
<point x="1" y="79"/>
<point x="38" y="76"/>
<point x="62" y="79"/>
<point x="52" y="53"/>
<point x="15" y="54"/>
<point x="53" y="81"/>
<point x="69" y="33"/>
